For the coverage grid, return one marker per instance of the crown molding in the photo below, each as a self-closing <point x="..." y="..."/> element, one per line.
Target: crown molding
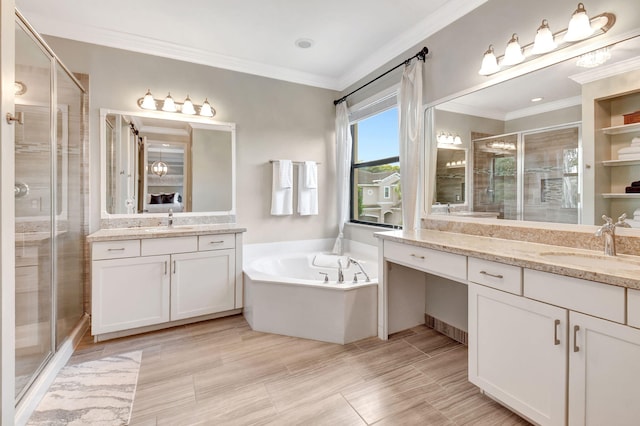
<point x="436" y="21"/>
<point x="605" y="71"/>
<point x="150" y="46"/>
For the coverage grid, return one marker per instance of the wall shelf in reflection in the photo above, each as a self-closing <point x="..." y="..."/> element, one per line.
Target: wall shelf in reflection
<point x="614" y="163"/>
<point x="619" y="130"/>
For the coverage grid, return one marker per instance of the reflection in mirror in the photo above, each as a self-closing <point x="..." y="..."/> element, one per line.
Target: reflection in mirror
<point x="154" y="165"/>
<point x="525" y="143"/>
<point x="451" y="176"/>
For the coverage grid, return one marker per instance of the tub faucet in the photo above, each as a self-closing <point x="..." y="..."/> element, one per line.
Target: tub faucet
<point x="355" y="262"/>
<point x="608" y="231"/>
<point x="170" y="220"/>
<point x="340" y="273"/>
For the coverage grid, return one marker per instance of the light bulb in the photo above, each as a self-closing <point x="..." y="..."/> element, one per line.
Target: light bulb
<point x="543" y="42"/>
<point x="513" y="54"/>
<point x="579" y="25"/>
<point x="169" y="105"/>
<point x="148" y="102"/>
<point x="457" y="140"/>
<point x="489" y="62"/>
<point x="206" y="110"/>
<point x="187" y="107"/>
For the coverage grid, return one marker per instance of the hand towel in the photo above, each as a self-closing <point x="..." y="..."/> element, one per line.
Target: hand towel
<point x="310" y="174"/>
<point x="630" y="150"/>
<point x="307" y="197"/>
<point x="285" y="173"/>
<point x="632" y="156"/>
<point x="281" y="198"/>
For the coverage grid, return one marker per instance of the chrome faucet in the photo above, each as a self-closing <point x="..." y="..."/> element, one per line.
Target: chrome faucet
<point x="170" y="220"/>
<point x="608" y="231"/>
<point x="355" y="262"/>
<point x="340" y="273"/>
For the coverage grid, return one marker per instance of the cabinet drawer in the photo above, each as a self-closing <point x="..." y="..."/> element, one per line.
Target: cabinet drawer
<point x="496" y="275"/>
<point x="633" y="307"/>
<point x="171" y="245"/>
<point x="115" y="249"/>
<point x="589" y="297"/>
<point x="428" y="260"/>
<point x="216" y="242"/>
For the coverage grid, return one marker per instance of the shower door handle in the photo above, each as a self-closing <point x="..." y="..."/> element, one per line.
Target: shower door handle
<point x="18" y="118"/>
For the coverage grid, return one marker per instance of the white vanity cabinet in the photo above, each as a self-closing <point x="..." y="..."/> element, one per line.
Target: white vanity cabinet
<point x="171" y="280"/>
<point x="551" y="363"/>
<point x="518" y="352"/>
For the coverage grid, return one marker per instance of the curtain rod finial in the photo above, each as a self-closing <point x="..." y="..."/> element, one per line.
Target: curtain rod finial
<point x="423" y="53"/>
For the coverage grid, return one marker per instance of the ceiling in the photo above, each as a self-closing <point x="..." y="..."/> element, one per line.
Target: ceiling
<point x="350" y="38"/>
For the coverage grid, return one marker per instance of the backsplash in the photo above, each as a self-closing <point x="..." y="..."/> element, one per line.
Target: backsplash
<point x="565" y="235"/>
<point x="143" y="221"/>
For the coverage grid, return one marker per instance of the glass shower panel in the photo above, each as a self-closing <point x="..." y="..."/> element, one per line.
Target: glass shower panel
<point x="550" y="177"/>
<point x="33" y="210"/>
<point x="69" y="217"/>
<point x="495" y="175"/>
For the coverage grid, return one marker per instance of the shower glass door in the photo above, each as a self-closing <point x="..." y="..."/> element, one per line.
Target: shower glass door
<point x="34" y="205"/>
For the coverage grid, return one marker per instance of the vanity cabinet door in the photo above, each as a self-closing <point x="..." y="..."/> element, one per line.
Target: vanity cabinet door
<point x="517" y="353"/>
<point x="129" y="293"/>
<point x="604" y="385"/>
<point x="202" y="283"/>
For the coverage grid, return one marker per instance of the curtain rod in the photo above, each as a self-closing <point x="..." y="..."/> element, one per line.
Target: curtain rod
<point x="420" y="55"/>
<point x="295" y="163"/>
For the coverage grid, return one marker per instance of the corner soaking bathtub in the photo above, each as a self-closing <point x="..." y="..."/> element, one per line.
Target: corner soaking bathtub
<point x="285" y="292"/>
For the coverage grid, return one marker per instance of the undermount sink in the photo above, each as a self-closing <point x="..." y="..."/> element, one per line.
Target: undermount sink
<point x="589" y="260"/>
<point x="167" y="229"/>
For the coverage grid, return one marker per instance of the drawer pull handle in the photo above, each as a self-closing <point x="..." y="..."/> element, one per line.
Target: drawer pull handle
<point x="116" y="249"/>
<point x="576" y="328"/>
<point x="216" y="242"/>
<point x="556" y="341"/>
<point x="499" y="276"/>
<point x="417" y="256"/>
<point x="165" y="267"/>
<point x="174" y="266"/>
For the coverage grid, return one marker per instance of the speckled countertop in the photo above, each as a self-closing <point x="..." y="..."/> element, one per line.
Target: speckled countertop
<point x="114" y="234"/>
<point x="622" y="270"/>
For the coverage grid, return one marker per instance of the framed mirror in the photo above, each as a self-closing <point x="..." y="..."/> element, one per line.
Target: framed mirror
<point x="155" y="164"/>
<point x="524" y="142"/>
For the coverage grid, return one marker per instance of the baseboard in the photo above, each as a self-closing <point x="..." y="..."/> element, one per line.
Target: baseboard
<point x="446" y="329"/>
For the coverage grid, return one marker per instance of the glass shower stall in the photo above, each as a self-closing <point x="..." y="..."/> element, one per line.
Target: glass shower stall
<point x="50" y="220"/>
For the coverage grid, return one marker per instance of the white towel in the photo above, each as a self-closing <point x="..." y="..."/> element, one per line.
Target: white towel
<point x="310" y="174"/>
<point x="281" y="198"/>
<point x="330" y="261"/>
<point x="285" y="174"/>
<point x="307" y="197"/>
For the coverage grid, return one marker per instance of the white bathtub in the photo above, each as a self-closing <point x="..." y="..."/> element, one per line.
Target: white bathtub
<point x="286" y="294"/>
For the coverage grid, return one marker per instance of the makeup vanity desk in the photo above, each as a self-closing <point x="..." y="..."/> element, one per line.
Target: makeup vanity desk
<point x="554" y="332"/>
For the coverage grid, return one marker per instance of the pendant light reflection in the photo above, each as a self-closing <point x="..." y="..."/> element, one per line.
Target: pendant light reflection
<point x="148" y="102"/>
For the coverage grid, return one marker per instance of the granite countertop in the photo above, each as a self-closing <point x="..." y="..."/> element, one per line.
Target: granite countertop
<point x="114" y="234"/>
<point x="621" y="270"/>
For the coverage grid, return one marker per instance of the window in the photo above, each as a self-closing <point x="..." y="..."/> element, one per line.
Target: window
<point x="375" y="170"/>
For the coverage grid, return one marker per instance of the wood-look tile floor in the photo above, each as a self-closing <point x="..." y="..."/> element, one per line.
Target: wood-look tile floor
<point x="220" y="372"/>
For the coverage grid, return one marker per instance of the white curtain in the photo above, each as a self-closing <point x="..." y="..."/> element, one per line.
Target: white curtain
<point x="343" y="170"/>
<point x="410" y="128"/>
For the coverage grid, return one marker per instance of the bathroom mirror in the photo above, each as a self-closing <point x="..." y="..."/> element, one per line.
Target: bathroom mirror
<point x="536" y="110"/>
<point x="451" y="170"/>
<point x="153" y="164"/>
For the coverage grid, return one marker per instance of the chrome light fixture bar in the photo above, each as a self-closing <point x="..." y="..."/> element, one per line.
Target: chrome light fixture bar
<point x="580" y="27"/>
<point x="167" y="104"/>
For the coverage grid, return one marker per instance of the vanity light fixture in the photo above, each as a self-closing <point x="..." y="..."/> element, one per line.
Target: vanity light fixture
<point x="448" y="139"/>
<point x="580" y="27"/>
<point x="187" y="107"/>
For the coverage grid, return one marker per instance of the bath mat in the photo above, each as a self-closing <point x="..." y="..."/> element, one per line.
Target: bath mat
<point x="97" y="393"/>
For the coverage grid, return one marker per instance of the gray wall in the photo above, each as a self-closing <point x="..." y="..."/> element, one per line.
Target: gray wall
<point x="275" y="119"/>
<point x="455" y="52"/>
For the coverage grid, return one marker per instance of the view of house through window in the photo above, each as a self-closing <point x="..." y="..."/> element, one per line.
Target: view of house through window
<point x="376" y="196"/>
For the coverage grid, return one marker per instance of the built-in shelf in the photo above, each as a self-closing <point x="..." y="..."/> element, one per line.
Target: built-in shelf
<point x="619" y="130"/>
<point x="620" y="195"/>
<point x="614" y="163"/>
